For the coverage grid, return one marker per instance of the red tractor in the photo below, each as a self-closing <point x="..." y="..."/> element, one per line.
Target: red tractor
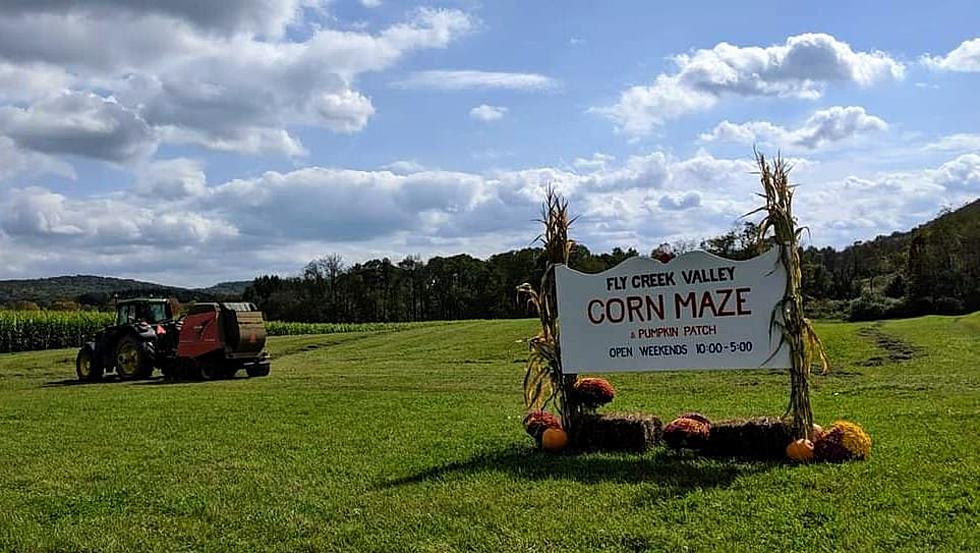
<point x="212" y="341"/>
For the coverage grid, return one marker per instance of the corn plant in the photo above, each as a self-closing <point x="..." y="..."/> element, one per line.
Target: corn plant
<point x="281" y="328"/>
<point x="35" y="330"/>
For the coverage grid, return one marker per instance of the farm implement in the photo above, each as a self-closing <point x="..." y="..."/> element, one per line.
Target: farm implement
<point x="212" y="341"/>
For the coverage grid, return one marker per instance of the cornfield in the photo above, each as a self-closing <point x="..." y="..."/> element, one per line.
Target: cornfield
<point x="279" y="328"/>
<point x="36" y="330"/>
<point x="32" y="330"/>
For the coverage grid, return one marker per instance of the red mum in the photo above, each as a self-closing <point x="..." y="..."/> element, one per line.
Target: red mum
<point x="537" y="422"/>
<point x="593" y="392"/>
<point x="696" y="416"/>
<point x="686" y="433"/>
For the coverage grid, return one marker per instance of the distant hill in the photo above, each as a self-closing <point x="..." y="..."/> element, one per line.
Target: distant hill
<point x="965" y="222"/>
<point x="232" y="288"/>
<point x="933" y="268"/>
<point x="98" y="290"/>
<point x="884" y="251"/>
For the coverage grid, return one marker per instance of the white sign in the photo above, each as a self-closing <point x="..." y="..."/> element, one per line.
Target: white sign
<point x="697" y="311"/>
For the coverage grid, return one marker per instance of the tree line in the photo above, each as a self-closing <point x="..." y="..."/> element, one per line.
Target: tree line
<point x="442" y="288"/>
<point x="933" y="269"/>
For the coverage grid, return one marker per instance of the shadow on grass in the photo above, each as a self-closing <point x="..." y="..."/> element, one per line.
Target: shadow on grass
<point x="76" y="382"/>
<point x="675" y="474"/>
<point x="153" y="381"/>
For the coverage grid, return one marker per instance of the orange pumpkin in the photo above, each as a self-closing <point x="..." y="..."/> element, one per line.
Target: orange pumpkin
<point x="800" y="451"/>
<point x="554" y="439"/>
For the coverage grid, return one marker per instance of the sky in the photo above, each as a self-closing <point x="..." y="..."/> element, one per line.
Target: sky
<point x="190" y="142"/>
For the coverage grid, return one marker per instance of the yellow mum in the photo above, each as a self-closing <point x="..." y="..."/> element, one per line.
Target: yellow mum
<point x="854" y="439"/>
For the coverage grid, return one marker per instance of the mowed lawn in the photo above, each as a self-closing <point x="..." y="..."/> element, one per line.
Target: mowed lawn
<point x="411" y="441"/>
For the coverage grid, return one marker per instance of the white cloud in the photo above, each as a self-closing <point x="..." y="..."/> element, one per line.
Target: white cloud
<point x="965" y="57"/>
<point x="171" y="179"/>
<point x="639" y="172"/>
<point x="30" y="81"/>
<point x="102" y="47"/>
<point x="472" y="79"/>
<point x="957" y="142"/>
<point x="961" y="174"/>
<point x="824" y="127"/>
<point x="42" y="219"/>
<point x="261" y="17"/>
<point x="244" y="140"/>
<point x="15" y="162"/>
<point x="802" y="67"/>
<point x="81" y="124"/>
<point x="370" y="3"/>
<point x="597" y="162"/>
<point x="681" y="202"/>
<point x="196" y="74"/>
<point x="487" y="113"/>
<point x="278" y="220"/>
<point x="404" y="167"/>
<point x="857" y="208"/>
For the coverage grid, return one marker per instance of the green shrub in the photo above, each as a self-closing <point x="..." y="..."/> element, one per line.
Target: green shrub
<point x="869" y="307"/>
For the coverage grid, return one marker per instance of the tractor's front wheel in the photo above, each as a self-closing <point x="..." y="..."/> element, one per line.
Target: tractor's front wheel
<point x="86" y="365"/>
<point x="134" y="358"/>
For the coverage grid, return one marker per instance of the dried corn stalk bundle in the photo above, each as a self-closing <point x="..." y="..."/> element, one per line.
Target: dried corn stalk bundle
<point x="544" y="382"/>
<point x="795" y="329"/>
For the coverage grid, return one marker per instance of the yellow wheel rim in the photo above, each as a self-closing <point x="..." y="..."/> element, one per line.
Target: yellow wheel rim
<point x="127" y="359"/>
<point x="85" y="365"/>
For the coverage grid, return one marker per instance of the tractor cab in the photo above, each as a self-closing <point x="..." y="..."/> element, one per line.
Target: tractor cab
<point x="149" y="310"/>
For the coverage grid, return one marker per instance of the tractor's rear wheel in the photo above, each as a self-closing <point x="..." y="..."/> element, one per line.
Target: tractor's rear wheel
<point x="86" y="366"/>
<point x="134" y="358"/>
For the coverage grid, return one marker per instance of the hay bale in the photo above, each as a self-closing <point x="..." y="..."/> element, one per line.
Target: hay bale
<point x="616" y="432"/>
<point x="758" y="438"/>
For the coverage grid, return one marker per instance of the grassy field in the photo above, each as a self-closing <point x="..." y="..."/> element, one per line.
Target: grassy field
<point x="411" y="441"/>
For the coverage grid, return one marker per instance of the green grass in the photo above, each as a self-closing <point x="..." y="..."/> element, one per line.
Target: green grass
<point x="411" y="441"/>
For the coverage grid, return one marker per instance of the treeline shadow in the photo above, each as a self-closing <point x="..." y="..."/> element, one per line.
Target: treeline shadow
<point x="675" y="474"/>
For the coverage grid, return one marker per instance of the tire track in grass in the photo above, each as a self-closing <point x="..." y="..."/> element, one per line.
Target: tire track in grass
<point x="896" y="350"/>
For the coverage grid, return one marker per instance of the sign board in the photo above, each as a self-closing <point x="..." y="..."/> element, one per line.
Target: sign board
<point x="697" y="311"/>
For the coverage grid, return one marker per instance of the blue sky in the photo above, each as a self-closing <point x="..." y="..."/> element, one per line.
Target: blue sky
<point x="188" y="142"/>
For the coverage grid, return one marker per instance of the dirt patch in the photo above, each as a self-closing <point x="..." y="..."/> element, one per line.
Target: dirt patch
<point x="895" y="349"/>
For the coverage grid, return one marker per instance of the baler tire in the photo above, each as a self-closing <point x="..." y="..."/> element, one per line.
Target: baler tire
<point x="210" y="372"/>
<point x="255" y="371"/>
